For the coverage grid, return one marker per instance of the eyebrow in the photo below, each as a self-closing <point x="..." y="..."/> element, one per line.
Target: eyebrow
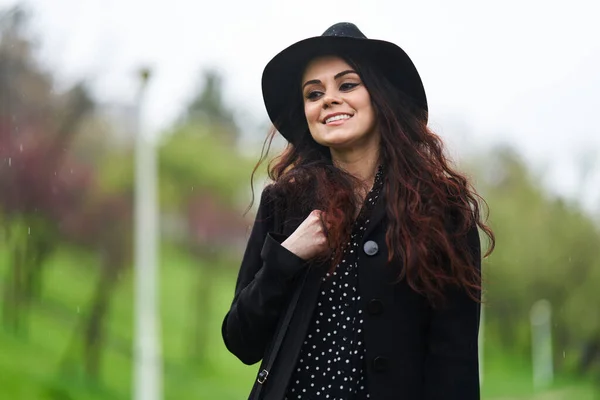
<point x="337" y="76"/>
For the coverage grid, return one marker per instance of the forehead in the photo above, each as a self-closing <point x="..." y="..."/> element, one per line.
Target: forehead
<point x="324" y="67"/>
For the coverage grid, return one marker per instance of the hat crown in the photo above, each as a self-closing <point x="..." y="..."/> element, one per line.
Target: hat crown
<point x="344" y="29"/>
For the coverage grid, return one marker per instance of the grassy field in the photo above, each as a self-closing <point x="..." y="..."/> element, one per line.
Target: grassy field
<point x="45" y="361"/>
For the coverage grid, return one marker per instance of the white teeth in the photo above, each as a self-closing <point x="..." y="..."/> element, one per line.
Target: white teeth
<point x="337" y="118"/>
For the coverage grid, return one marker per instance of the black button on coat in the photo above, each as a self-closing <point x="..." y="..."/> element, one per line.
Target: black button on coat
<point x="413" y="351"/>
<point x="375" y="307"/>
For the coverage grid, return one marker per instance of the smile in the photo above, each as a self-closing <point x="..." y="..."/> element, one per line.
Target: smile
<point x="339" y="117"/>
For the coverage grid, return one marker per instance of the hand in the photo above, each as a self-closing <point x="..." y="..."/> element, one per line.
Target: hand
<point x="309" y="239"/>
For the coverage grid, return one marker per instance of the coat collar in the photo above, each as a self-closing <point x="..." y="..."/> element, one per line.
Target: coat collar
<point x="379" y="212"/>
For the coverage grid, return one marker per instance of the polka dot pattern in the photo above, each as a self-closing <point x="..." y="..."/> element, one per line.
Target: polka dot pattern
<point x="331" y="362"/>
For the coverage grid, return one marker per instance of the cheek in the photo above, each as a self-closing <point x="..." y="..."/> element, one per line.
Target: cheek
<point x="311" y="112"/>
<point x="370" y="112"/>
<point x="373" y="118"/>
<point x="365" y="106"/>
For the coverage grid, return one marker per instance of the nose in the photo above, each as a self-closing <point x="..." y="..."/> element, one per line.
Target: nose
<point x="330" y="100"/>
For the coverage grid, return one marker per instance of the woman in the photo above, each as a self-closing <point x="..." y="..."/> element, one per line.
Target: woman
<point x="361" y="277"/>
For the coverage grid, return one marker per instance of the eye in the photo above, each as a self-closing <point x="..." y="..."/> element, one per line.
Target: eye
<point x="348" y="86"/>
<point x="313" y="94"/>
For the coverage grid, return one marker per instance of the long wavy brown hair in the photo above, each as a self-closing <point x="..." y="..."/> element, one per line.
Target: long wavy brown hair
<point x="430" y="206"/>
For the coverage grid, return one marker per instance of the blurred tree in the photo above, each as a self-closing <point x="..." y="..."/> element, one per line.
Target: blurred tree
<point x="103" y="226"/>
<point x="38" y="185"/>
<point x="203" y="182"/>
<point x="208" y="108"/>
<point x="547" y="248"/>
<point x="193" y="160"/>
<point x="48" y="196"/>
<point x="25" y="90"/>
<point x="203" y="186"/>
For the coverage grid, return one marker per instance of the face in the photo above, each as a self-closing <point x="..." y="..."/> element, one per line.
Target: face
<point x="337" y="105"/>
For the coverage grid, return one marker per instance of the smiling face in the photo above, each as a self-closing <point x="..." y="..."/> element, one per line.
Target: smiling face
<point x="337" y="105"/>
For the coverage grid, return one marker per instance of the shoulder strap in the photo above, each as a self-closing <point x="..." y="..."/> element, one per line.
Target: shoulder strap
<point x="266" y="368"/>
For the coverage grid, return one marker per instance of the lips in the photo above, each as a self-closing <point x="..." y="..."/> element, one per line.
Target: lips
<point x="336" y="117"/>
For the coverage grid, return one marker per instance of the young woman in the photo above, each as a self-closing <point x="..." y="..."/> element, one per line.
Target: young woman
<point x="361" y="277"/>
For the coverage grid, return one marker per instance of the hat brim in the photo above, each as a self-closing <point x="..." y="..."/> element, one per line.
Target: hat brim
<point x="282" y="74"/>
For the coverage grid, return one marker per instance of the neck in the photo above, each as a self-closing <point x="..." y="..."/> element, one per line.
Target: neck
<point x="362" y="162"/>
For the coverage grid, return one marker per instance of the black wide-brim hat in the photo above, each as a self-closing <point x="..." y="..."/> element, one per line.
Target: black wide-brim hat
<point x="282" y="75"/>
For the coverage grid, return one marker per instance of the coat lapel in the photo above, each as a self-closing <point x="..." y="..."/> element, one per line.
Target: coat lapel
<point x="378" y="214"/>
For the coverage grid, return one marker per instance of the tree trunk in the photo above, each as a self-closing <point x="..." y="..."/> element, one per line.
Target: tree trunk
<point x="94" y="332"/>
<point x="92" y="327"/>
<point x="589" y="356"/>
<point x="34" y="256"/>
<point x="13" y="291"/>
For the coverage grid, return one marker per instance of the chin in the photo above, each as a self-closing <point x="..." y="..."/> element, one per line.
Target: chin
<point x="338" y="139"/>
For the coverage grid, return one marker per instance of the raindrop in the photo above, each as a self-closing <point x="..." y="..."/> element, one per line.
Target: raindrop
<point x="29" y="230"/>
<point x="77" y="309"/>
<point x="9" y="161"/>
<point x="563" y="354"/>
<point x="21" y="147"/>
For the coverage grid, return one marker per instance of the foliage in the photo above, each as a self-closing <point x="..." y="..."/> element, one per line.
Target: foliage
<point x="209" y="109"/>
<point x="202" y="179"/>
<point x="547" y="249"/>
<point x="48" y="191"/>
<point x="195" y="159"/>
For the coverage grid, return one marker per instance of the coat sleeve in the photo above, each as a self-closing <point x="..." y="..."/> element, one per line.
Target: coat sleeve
<point x="264" y="282"/>
<point x="452" y="365"/>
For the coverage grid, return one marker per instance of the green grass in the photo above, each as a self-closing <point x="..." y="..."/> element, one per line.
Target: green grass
<point x="32" y="365"/>
<point x="507" y="377"/>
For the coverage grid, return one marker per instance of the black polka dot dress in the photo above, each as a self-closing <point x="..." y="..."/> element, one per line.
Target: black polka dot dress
<point x="331" y="362"/>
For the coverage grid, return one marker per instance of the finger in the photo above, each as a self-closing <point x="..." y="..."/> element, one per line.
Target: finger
<point x="323" y="219"/>
<point x="326" y="226"/>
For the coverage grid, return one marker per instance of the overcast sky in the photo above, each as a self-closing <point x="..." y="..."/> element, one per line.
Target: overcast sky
<point x="523" y="72"/>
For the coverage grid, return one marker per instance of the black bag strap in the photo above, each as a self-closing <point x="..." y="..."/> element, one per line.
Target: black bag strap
<point x="266" y="368"/>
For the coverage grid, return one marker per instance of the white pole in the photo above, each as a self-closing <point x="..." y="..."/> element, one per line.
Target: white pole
<point x="147" y="361"/>
<point x="541" y="344"/>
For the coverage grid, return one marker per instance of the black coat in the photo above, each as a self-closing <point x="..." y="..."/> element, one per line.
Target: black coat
<point x="413" y="351"/>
